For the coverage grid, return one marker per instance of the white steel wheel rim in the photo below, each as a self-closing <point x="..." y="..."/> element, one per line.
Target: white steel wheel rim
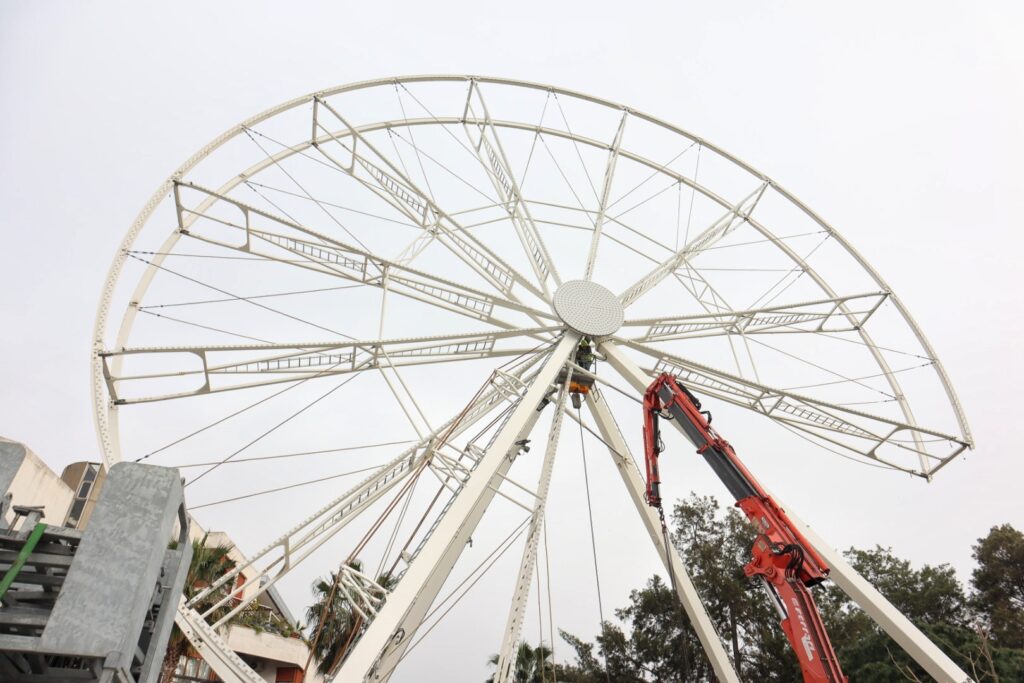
<point x="668" y="339"/>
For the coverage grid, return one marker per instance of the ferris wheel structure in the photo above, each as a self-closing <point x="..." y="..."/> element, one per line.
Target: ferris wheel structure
<point x="420" y="259"/>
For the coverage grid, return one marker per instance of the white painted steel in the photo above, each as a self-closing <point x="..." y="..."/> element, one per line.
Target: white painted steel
<point x="209" y="644"/>
<point x="503" y="670"/>
<point x="588" y="308"/>
<point x="606" y="188"/>
<point x="491" y="304"/>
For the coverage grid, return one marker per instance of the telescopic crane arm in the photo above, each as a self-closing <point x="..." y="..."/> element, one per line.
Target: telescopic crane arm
<point x="782" y="559"/>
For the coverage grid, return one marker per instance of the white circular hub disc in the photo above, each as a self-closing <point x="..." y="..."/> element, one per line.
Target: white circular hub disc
<point x="588" y="308"/>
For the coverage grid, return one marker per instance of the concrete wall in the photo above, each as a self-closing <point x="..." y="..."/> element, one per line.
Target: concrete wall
<point x="36" y="484"/>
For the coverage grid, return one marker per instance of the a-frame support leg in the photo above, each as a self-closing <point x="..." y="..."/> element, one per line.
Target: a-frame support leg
<point x="916" y="644"/>
<point x="386" y="638"/>
<point x="685" y="589"/>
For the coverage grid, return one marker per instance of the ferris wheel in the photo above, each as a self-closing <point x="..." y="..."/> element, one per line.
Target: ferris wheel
<point x="393" y="281"/>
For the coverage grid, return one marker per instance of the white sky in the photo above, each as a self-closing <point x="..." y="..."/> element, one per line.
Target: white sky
<point x="901" y="123"/>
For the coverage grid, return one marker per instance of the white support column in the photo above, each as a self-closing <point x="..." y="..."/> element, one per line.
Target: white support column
<point x="685" y="590"/>
<point x="381" y="647"/>
<point x="507" y="654"/>
<point x="899" y="628"/>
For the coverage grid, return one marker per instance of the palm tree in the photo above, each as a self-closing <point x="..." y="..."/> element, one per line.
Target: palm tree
<point x="341" y="623"/>
<point x="531" y="666"/>
<point x="208" y="564"/>
<point x="330" y="621"/>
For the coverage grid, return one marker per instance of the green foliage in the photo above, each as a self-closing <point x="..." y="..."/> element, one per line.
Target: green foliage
<point x="341" y="625"/>
<point x="533" y="664"/>
<point x="982" y="633"/>
<point x="265" y="620"/>
<point x="330" y="622"/>
<point x="207" y="565"/>
<point x="999" y="584"/>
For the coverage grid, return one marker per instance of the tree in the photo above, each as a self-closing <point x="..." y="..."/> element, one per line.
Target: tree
<point x="331" y="621"/>
<point x="208" y="564"/>
<point x="716" y="545"/>
<point x="532" y="665"/>
<point x="658" y="643"/>
<point x="998" y="582"/>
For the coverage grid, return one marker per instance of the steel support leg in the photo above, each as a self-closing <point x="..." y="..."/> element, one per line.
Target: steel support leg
<point x="899" y="628"/>
<point x="685" y="590"/>
<point x="387" y="637"/>
<point x="507" y="654"/>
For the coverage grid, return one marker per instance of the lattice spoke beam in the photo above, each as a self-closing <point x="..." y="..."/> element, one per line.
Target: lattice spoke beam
<point x="304" y="360"/>
<point x="378" y="174"/>
<point x="856" y="431"/>
<point x="504" y="672"/>
<point x="823" y="315"/>
<point x="324" y="254"/>
<point x="483" y="135"/>
<point x="606" y="189"/>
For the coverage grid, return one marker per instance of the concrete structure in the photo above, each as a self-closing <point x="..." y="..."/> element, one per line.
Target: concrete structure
<point x="31" y="482"/>
<point x="70" y="499"/>
<point x="96" y="606"/>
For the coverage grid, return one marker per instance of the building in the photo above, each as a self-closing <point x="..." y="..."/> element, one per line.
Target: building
<point x="259" y="637"/>
<point x="86" y="480"/>
<point x="264" y="636"/>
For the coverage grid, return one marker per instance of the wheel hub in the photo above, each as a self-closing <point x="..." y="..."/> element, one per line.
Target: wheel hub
<point x="588" y="308"/>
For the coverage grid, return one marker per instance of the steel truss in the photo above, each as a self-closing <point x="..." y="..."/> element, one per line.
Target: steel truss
<point x="481" y="267"/>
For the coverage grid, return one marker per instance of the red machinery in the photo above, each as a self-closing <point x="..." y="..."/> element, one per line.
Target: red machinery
<point x="782" y="558"/>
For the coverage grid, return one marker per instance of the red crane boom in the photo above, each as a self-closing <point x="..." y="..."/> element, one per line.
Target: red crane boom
<point x="782" y="559"/>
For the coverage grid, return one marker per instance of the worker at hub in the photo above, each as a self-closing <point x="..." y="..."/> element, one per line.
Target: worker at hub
<point x="585" y="354"/>
<point x="579" y="386"/>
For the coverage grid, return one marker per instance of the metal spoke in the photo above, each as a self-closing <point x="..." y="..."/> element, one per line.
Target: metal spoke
<point x="494" y="162"/>
<point x="823" y="315"/>
<point x="380" y="176"/>
<point x="326" y="255"/>
<point x="609" y="175"/>
<point x="737" y="215"/>
<point x="860" y="432"/>
<point x="304" y="360"/>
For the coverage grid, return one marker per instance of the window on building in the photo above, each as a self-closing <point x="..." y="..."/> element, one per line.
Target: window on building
<point x="82" y="494"/>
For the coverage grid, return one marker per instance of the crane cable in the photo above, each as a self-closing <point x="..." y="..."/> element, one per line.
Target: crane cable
<point x="593" y="539"/>
<point x="668" y="553"/>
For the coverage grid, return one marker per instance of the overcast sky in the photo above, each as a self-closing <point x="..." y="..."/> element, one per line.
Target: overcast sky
<point x="901" y="123"/>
